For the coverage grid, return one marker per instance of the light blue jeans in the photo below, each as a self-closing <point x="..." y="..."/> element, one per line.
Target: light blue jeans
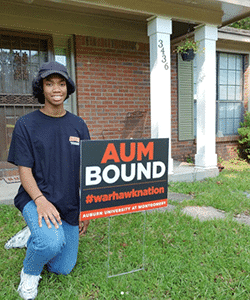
<point x="55" y="247"/>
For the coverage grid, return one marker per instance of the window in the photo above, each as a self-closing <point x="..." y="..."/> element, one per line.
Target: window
<point x="20" y="59"/>
<point x="229" y="95"/>
<point x="21" y="55"/>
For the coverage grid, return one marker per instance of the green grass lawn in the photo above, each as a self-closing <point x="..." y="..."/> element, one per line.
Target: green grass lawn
<point x="184" y="258"/>
<point x="226" y="192"/>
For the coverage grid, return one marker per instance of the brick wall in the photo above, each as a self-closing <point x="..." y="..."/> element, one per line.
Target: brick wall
<point x="7" y="169"/>
<point x="226" y="147"/>
<point x="113" y="83"/>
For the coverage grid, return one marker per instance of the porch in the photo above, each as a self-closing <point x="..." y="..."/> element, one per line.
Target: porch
<point x="189" y="172"/>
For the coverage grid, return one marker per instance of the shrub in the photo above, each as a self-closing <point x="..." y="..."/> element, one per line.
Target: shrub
<point x="188" y="44"/>
<point x="244" y="139"/>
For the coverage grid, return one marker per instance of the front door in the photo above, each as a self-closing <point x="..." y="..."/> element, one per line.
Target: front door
<point x="21" y="56"/>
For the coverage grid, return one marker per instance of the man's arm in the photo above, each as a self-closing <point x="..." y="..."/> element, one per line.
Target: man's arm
<point x="45" y="209"/>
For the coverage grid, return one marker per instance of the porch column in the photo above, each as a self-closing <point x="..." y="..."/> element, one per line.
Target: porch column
<point x="206" y="157"/>
<point x="159" y="31"/>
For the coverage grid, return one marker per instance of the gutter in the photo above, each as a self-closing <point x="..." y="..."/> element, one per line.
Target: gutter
<point x="246" y="15"/>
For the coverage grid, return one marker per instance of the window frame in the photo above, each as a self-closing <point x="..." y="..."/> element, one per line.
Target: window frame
<point x="39" y="36"/>
<point x="241" y="102"/>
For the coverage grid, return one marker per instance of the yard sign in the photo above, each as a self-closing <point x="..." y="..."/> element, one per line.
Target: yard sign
<point x="123" y="176"/>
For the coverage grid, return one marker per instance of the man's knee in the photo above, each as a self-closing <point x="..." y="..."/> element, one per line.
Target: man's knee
<point x="55" y="247"/>
<point x="50" y="247"/>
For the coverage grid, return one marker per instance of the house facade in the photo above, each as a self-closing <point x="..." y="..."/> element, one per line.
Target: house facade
<point x="131" y="83"/>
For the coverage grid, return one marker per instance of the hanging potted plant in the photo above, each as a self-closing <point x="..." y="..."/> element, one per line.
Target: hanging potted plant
<point x="188" y="49"/>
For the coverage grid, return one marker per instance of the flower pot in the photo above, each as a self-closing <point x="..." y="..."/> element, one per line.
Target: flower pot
<point x="188" y="55"/>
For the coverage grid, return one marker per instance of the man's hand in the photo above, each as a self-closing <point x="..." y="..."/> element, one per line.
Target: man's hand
<point x="47" y="210"/>
<point x="83" y="226"/>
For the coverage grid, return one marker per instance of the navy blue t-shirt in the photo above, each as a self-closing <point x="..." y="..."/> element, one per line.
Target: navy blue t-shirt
<point x="51" y="148"/>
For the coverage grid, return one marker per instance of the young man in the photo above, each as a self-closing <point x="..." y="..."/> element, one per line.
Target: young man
<point x="46" y="148"/>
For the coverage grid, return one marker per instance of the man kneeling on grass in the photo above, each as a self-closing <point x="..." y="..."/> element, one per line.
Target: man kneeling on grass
<point x="49" y="171"/>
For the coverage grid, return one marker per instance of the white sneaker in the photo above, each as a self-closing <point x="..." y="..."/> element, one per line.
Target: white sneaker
<point x="19" y="240"/>
<point x="27" y="288"/>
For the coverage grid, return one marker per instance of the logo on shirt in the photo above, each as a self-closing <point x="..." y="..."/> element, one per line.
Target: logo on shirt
<point x="74" y="140"/>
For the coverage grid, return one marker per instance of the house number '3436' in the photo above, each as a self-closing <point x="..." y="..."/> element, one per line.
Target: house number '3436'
<point x="164" y="58"/>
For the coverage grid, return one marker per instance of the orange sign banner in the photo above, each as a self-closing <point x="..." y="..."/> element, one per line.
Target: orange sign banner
<point x="123" y="176"/>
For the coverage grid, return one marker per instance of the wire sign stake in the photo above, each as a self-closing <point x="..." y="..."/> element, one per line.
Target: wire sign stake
<point x="143" y="250"/>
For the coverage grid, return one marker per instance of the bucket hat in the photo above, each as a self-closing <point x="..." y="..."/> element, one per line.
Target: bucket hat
<point x="47" y="69"/>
